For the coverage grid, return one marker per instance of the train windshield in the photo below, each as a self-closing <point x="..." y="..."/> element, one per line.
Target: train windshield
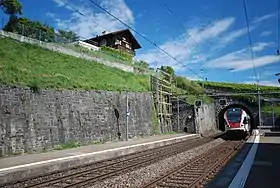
<point x="234" y="115"/>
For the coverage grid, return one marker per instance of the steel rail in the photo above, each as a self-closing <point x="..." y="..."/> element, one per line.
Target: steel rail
<point x="194" y="172"/>
<point x="93" y="174"/>
<point x="109" y="171"/>
<point x="103" y="163"/>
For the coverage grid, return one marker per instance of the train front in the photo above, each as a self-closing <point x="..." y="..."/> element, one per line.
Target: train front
<point x="236" y="120"/>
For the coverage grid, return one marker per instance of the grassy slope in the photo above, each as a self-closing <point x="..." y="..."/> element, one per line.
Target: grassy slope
<point x="29" y="65"/>
<point x="238" y="87"/>
<point x="100" y="54"/>
<point x="234" y="87"/>
<point x="191" y="98"/>
<point x="269" y="109"/>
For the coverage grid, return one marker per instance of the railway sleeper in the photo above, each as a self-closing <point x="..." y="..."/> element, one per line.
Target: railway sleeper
<point x="180" y="180"/>
<point x="184" y="178"/>
<point x="175" y="184"/>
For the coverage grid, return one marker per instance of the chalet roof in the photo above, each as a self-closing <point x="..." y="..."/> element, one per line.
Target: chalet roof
<point x="135" y="43"/>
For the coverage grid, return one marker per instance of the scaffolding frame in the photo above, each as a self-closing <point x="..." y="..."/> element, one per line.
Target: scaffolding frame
<point x="161" y="86"/>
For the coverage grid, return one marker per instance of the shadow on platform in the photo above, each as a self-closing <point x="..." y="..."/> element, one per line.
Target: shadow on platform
<point x="272" y="134"/>
<point x="264" y="171"/>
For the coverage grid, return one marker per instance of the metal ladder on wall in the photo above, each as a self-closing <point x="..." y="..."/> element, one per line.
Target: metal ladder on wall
<point x="161" y="86"/>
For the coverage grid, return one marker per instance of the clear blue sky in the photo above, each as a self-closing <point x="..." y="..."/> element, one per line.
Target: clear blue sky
<point x="218" y="28"/>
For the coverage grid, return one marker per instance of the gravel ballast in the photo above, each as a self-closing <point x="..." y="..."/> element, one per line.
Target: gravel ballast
<point x="146" y="174"/>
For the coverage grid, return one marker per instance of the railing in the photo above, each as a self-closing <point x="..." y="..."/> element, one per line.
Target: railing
<point x="92" y="42"/>
<point x="122" y="47"/>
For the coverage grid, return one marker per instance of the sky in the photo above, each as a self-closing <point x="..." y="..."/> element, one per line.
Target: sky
<point x="208" y="39"/>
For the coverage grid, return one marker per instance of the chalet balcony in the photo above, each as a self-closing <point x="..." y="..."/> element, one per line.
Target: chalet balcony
<point x="92" y="42"/>
<point x="125" y="49"/>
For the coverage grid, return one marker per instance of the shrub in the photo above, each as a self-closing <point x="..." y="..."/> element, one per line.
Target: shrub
<point x="117" y="53"/>
<point x="190" y="86"/>
<point x="237" y="87"/>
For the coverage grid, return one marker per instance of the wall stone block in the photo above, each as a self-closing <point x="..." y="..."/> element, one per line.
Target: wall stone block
<point x="31" y="122"/>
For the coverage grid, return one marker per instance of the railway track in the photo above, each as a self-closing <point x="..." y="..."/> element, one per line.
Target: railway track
<point x="199" y="171"/>
<point x="87" y="174"/>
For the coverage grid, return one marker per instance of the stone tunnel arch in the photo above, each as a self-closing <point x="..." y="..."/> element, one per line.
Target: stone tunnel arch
<point x="248" y="110"/>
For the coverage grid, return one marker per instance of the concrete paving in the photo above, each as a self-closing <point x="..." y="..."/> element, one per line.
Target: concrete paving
<point x="225" y="177"/>
<point x="249" y="169"/>
<point x="35" y="164"/>
<point x="265" y="169"/>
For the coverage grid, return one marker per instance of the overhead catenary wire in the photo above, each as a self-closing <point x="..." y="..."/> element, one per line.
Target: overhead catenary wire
<point x="278" y="37"/>
<point x="250" y="43"/>
<point x="188" y="34"/>
<point x="82" y="14"/>
<point x="253" y="61"/>
<point x="278" y="29"/>
<point x="191" y="38"/>
<point x="147" y="39"/>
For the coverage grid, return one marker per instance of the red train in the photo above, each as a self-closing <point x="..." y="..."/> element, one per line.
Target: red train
<point x="237" y="120"/>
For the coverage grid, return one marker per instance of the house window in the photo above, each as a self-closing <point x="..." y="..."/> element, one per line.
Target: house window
<point x="117" y="41"/>
<point x="127" y="46"/>
<point x="103" y="42"/>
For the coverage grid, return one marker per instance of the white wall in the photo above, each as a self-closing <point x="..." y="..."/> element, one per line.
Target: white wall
<point x="205" y="119"/>
<point x="87" y="45"/>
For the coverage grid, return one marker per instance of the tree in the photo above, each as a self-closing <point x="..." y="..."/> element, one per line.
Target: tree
<point x="11" y="7"/>
<point x="169" y="70"/>
<point x="142" y="66"/>
<point x="30" y="28"/>
<point x="69" y="36"/>
<point x="190" y="86"/>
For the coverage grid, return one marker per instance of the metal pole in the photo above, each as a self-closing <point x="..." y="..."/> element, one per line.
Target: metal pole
<point x="169" y="101"/>
<point x="178" y="115"/>
<point x="273" y="115"/>
<point x="157" y="96"/>
<point x="259" y="102"/>
<point x="127" y="116"/>
<point x="259" y="107"/>
<point x="150" y="84"/>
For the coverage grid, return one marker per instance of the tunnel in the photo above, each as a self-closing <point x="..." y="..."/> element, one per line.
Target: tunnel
<point x="220" y="116"/>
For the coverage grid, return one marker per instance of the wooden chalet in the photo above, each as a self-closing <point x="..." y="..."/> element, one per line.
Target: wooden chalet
<point x="122" y="40"/>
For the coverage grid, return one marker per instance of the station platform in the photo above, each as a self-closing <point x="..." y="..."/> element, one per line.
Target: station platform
<point x="255" y="166"/>
<point x="35" y="164"/>
<point x="266" y="167"/>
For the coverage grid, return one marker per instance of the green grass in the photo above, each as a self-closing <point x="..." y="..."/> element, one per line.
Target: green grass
<point x="237" y="87"/>
<point x="191" y="98"/>
<point x="103" y="54"/>
<point x="68" y="145"/>
<point x="100" y="54"/>
<point x="269" y="109"/>
<point x="29" y="65"/>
